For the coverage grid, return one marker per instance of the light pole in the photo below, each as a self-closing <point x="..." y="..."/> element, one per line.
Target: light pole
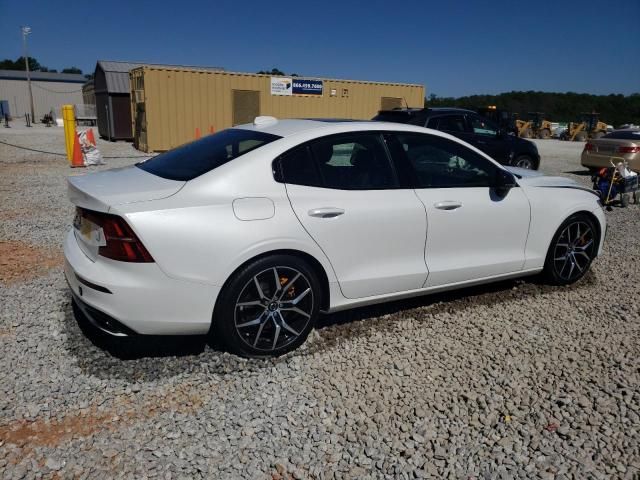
<point x="27" y="31"/>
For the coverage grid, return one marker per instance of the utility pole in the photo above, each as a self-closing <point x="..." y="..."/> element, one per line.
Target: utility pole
<point x="26" y="31"/>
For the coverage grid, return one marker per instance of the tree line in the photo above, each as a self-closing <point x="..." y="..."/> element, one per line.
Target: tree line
<point x="614" y="109"/>
<point x="34" y="66"/>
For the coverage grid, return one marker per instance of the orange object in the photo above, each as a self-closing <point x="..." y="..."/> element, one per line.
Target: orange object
<point x="78" y="158"/>
<point x="211" y="130"/>
<point x="197" y="133"/>
<point x="90" y="137"/>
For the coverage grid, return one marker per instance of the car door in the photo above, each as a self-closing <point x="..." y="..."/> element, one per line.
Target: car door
<point x="472" y="232"/>
<point x="487" y="136"/>
<point x="346" y="194"/>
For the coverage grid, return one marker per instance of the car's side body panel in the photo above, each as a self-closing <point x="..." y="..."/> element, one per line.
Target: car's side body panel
<point x="484" y="235"/>
<point x="200" y="232"/>
<point x="376" y="246"/>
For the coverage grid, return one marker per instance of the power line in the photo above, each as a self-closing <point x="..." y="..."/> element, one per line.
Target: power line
<point x="55" y="91"/>
<point x="20" y="147"/>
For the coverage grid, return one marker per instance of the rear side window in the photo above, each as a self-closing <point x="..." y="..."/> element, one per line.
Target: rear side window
<point x="354" y="162"/>
<point x="196" y="158"/>
<point x="357" y="161"/>
<point x="298" y="168"/>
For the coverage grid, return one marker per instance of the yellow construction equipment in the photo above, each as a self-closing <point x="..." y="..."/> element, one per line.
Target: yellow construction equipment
<point x="535" y="127"/>
<point x="524" y="128"/>
<point x="589" y="127"/>
<point x="540" y="127"/>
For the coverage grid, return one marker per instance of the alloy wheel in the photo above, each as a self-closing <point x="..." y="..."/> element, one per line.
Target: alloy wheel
<point x="524" y="162"/>
<point x="573" y="250"/>
<point x="274" y="308"/>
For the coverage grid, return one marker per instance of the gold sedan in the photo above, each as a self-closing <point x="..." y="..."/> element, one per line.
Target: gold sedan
<point x="613" y="147"/>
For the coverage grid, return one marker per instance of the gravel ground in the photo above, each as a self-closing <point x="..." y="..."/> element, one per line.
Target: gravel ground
<point x="514" y="380"/>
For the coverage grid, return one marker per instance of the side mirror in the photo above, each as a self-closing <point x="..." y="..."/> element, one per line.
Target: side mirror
<point x="504" y="182"/>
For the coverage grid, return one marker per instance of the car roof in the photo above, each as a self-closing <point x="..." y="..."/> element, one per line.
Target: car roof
<point x="289" y="127"/>
<point x="410" y="111"/>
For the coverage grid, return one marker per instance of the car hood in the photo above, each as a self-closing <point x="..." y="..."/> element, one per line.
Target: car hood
<point x="103" y="190"/>
<point x="534" y="178"/>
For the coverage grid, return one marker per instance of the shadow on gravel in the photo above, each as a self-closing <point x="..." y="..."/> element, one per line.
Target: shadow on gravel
<point x="149" y="358"/>
<point x="581" y="173"/>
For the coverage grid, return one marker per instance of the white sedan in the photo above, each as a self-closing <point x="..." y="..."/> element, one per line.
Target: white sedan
<point x="250" y="233"/>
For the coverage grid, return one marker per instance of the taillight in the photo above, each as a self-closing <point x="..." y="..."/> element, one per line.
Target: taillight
<point x="629" y="150"/>
<point x="121" y="242"/>
<point x="588" y="147"/>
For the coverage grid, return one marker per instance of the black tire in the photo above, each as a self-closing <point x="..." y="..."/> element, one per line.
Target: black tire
<point x="268" y="327"/>
<point x="580" y="251"/>
<point x="544" y="134"/>
<point x="524" y="161"/>
<point x="581" y="137"/>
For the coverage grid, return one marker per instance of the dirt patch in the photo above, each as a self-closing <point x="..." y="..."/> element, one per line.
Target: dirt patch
<point x="41" y="432"/>
<point x="20" y="261"/>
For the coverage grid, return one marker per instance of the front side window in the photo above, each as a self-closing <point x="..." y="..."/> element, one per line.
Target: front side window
<point x="441" y="163"/>
<point x="355" y="161"/>
<point x="448" y="123"/>
<point x="482" y="126"/>
<point x="196" y="158"/>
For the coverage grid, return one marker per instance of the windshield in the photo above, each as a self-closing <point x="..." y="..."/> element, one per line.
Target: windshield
<point x="193" y="159"/>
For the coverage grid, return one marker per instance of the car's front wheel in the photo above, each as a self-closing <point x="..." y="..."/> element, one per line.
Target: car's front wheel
<point x="268" y="307"/>
<point x="572" y="249"/>
<point x="524" y="161"/>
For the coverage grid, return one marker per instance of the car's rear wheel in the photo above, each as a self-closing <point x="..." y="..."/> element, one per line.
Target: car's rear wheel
<point x="572" y="250"/>
<point x="524" y="161"/>
<point x="268" y="307"/>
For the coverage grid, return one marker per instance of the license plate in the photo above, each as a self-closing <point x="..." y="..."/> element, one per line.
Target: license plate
<point x="90" y="233"/>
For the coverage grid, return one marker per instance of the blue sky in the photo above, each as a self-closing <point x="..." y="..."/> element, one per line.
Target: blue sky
<point x="453" y="48"/>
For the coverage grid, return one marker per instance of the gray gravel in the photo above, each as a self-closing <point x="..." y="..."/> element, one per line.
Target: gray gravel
<point x="514" y="380"/>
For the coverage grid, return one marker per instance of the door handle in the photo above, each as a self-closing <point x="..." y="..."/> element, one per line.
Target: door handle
<point x="448" y="205"/>
<point x="326" y="212"/>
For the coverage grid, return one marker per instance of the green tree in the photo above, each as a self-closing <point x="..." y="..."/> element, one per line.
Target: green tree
<point x="273" y="71"/>
<point x="614" y="109"/>
<point x="72" y="70"/>
<point x="19" y="64"/>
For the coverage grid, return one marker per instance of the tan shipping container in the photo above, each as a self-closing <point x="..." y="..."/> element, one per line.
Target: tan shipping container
<point x="168" y="105"/>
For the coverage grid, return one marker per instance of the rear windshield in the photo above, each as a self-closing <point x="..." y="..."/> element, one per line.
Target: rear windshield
<point x="625" y="135"/>
<point x="193" y="159"/>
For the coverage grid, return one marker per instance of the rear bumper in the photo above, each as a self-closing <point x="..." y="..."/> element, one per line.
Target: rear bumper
<point x="123" y="298"/>
<point x="603" y="160"/>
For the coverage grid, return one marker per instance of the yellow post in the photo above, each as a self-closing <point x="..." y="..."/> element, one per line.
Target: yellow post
<point x="69" y="120"/>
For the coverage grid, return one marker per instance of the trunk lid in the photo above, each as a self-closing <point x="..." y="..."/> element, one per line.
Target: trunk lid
<point x="102" y="190"/>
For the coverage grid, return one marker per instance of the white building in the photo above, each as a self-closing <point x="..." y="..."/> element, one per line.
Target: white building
<point x="50" y="91"/>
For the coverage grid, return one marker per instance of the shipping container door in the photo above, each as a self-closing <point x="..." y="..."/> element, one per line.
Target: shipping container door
<point x="389" y="103"/>
<point x="246" y="106"/>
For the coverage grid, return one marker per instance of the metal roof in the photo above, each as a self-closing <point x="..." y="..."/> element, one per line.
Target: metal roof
<point x="117" y="73"/>
<point x="43" y="76"/>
